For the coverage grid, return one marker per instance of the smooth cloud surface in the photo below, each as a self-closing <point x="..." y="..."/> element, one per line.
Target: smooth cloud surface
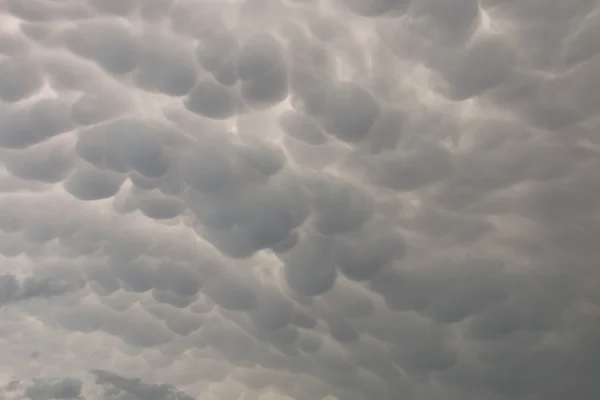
<point x="266" y="199"/>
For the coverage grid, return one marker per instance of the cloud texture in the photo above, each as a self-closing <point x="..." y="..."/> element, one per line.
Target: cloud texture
<point x="295" y="199"/>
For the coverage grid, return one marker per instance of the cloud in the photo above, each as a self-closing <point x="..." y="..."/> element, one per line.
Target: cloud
<point x="43" y="389"/>
<point x="119" y="387"/>
<point x="296" y="199"/>
<point x="15" y="290"/>
<point x="65" y="389"/>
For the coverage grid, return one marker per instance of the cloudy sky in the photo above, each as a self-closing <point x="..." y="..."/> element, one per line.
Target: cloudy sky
<point x="299" y="199"/>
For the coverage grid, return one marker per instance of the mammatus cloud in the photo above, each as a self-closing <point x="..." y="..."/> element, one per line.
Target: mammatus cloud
<point x="299" y="199"/>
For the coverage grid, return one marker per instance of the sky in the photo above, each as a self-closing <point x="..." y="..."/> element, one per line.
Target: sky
<point x="299" y="199"/>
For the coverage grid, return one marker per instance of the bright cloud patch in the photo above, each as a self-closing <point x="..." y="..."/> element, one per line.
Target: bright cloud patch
<point x="299" y="199"/>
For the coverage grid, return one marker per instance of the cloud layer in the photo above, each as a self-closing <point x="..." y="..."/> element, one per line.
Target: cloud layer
<point x="259" y="199"/>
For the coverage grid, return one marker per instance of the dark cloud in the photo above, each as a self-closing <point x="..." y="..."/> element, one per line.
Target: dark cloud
<point x="14" y="290"/>
<point x="118" y="387"/>
<point x="65" y="389"/>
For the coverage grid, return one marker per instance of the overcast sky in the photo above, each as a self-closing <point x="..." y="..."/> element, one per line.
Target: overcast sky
<point x="299" y="199"/>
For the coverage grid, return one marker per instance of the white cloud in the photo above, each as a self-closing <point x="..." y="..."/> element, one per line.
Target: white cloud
<point x="299" y="199"/>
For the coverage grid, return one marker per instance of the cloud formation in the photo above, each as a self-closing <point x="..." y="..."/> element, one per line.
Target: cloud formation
<point x="258" y="199"/>
<point x="13" y="290"/>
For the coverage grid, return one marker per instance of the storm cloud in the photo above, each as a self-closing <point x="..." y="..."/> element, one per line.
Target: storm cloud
<point x="299" y="199"/>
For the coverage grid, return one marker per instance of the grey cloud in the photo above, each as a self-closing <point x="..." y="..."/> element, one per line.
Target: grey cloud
<point x="242" y="199"/>
<point x="212" y="100"/>
<point x="310" y="268"/>
<point x="19" y="78"/>
<point x="387" y="131"/>
<point x="154" y="10"/>
<point x="231" y="342"/>
<point x="50" y="162"/>
<point x="136" y="274"/>
<point x="404" y="170"/>
<point x="216" y="50"/>
<point x="580" y="45"/>
<point x="109" y="43"/>
<point x="92" y="108"/>
<point x="342" y="331"/>
<point x="366" y="251"/>
<point x="156" y="205"/>
<point x="227" y="74"/>
<point x="350" y="112"/>
<point x="69" y="388"/>
<point x="118" y="387"/>
<point x="115" y="7"/>
<point x="266" y="90"/>
<point x="232" y="292"/>
<point x="14" y="290"/>
<point x="12" y="44"/>
<point x="447" y="24"/>
<point x="141" y="331"/>
<point x="257" y="57"/>
<point x="309" y="89"/>
<point x="272" y="310"/>
<point x="210" y="165"/>
<point x="27" y="126"/>
<point x="165" y="67"/>
<point x="90" y="183"/>
<point x="65" y="71"/>
<point x="178" y="279"/>
<point x="375" y="8"/>
<point x="178" y="322"/>
<point x="123" y="144"/>
<point x="39" y="10"/>
<point x="339" y="207"/>
<point x="302" y="127"/>
<point x="100" y="279"/>
<point x="263" y="71"/>
<point x="188" y="18"/>
<point x="485" y="64"/>
<point x="172" y="299"/>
